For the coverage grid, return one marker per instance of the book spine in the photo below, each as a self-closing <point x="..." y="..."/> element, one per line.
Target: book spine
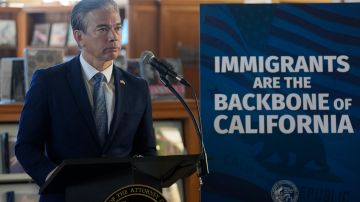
<point x="4" y="145"/>
<point x="10" y="196"/>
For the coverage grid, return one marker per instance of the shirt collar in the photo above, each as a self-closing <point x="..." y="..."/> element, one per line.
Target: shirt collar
<point x="90" y="71"/>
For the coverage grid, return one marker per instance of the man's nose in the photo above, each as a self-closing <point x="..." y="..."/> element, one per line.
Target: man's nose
<point x="114" y="35"/>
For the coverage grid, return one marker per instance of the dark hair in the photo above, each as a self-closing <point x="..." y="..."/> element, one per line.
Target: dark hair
<point x="78" y="14"/>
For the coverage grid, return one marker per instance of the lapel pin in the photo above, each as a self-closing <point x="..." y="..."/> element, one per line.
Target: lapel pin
<point x="122" y="82"/>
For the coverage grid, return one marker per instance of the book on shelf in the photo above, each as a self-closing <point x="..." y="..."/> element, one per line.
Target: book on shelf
<point x="19" y="196"/>
<point x="4" y="152"/>
<point x="7" y="33"/>
<point x="70" y="42"/>
<point x="8" y="196"/>
<point x="5" y="79"/>
<point x="133" y="66"/>
<point x="14" y="164"/>
<point x="41" y="34"/>
<point x="12" y="82"/>
<point x="157" y="89"/>
<point x="120" y="61"/>
<point x="58" y="34"/>
<point x="25" y="197"/>
<point x="18" y="80"/>
<point x="36" y="58"/>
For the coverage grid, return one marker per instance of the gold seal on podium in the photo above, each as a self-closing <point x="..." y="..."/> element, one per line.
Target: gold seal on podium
<point x="136" y="193"/>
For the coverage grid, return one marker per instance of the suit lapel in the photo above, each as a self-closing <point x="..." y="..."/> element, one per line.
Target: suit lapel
<point x="120" y="87"/>
<point x="76" y="81"/>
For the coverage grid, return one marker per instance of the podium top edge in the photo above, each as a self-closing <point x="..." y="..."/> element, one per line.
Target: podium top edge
<point x="110" y="160"/>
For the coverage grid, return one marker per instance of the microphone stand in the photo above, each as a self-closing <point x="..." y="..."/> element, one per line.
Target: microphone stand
<point x="202" y="167"/>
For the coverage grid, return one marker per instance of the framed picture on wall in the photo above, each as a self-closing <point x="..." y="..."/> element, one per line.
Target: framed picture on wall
<point x="170" y="141"/>
<point x="169" y="137"/>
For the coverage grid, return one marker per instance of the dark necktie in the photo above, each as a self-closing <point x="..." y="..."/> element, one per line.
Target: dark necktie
<point x="99" y="111"/>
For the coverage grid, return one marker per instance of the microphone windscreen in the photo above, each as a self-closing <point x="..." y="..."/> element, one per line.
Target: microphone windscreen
<point x="146" y="56"/>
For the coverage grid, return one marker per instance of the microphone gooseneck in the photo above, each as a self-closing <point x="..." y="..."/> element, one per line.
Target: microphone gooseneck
<point x="147" y="57"/>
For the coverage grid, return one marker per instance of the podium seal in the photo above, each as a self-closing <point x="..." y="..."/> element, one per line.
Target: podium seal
<point x="136" y="193"/>
<point x="284" y="191"/>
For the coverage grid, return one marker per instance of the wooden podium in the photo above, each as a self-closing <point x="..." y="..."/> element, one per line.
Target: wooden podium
<point x="96" y="179"/>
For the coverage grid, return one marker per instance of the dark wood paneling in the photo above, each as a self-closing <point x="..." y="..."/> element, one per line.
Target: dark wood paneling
<point x="143" y="27"/>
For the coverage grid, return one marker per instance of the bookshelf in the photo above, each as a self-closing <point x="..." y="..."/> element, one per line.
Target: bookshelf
<point x="163" y="27"/>
<point x="50" y="15"/>
<point x="162" y="110"/>
<point x="26" y="18"/>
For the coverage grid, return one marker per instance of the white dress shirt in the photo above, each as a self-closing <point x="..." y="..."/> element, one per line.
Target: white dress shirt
<point x="88" y="72"/>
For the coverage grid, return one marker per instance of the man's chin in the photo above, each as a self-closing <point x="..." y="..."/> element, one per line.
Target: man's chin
<point x="112" y="55"/>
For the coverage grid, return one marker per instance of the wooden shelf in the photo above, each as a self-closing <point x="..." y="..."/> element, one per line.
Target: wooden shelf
<point x="10" y="113"/>
<point x="15" y="178"/>
<point x="48" y="9"/>
<point x="162" y="109"/>
<point x="6" y="47"/>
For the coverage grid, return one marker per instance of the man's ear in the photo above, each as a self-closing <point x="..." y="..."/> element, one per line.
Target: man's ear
<point x="78" y="35"/>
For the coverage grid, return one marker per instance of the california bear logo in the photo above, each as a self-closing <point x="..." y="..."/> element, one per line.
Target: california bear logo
<point x="300" y="155"/>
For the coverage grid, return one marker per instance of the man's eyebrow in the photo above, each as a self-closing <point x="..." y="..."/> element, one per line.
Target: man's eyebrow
<point x="103" y="25"/>
<point x="118" y="24"/>
<point x="106" y="25"/>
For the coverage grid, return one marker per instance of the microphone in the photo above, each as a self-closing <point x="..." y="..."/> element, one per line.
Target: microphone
<point x="147" y="57"/>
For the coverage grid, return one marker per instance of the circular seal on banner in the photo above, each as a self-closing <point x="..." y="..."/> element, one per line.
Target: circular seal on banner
<point x="284" y="191"/>
<point x="136" y="193"/>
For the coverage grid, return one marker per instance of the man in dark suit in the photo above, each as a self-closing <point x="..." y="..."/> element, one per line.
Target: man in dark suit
<point x="70" y="114"/>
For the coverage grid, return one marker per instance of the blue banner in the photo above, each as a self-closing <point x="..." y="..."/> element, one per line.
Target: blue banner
<point x="280" y="102"/>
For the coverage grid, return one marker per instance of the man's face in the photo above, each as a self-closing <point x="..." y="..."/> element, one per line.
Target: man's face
<point x="102" y="39"/>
